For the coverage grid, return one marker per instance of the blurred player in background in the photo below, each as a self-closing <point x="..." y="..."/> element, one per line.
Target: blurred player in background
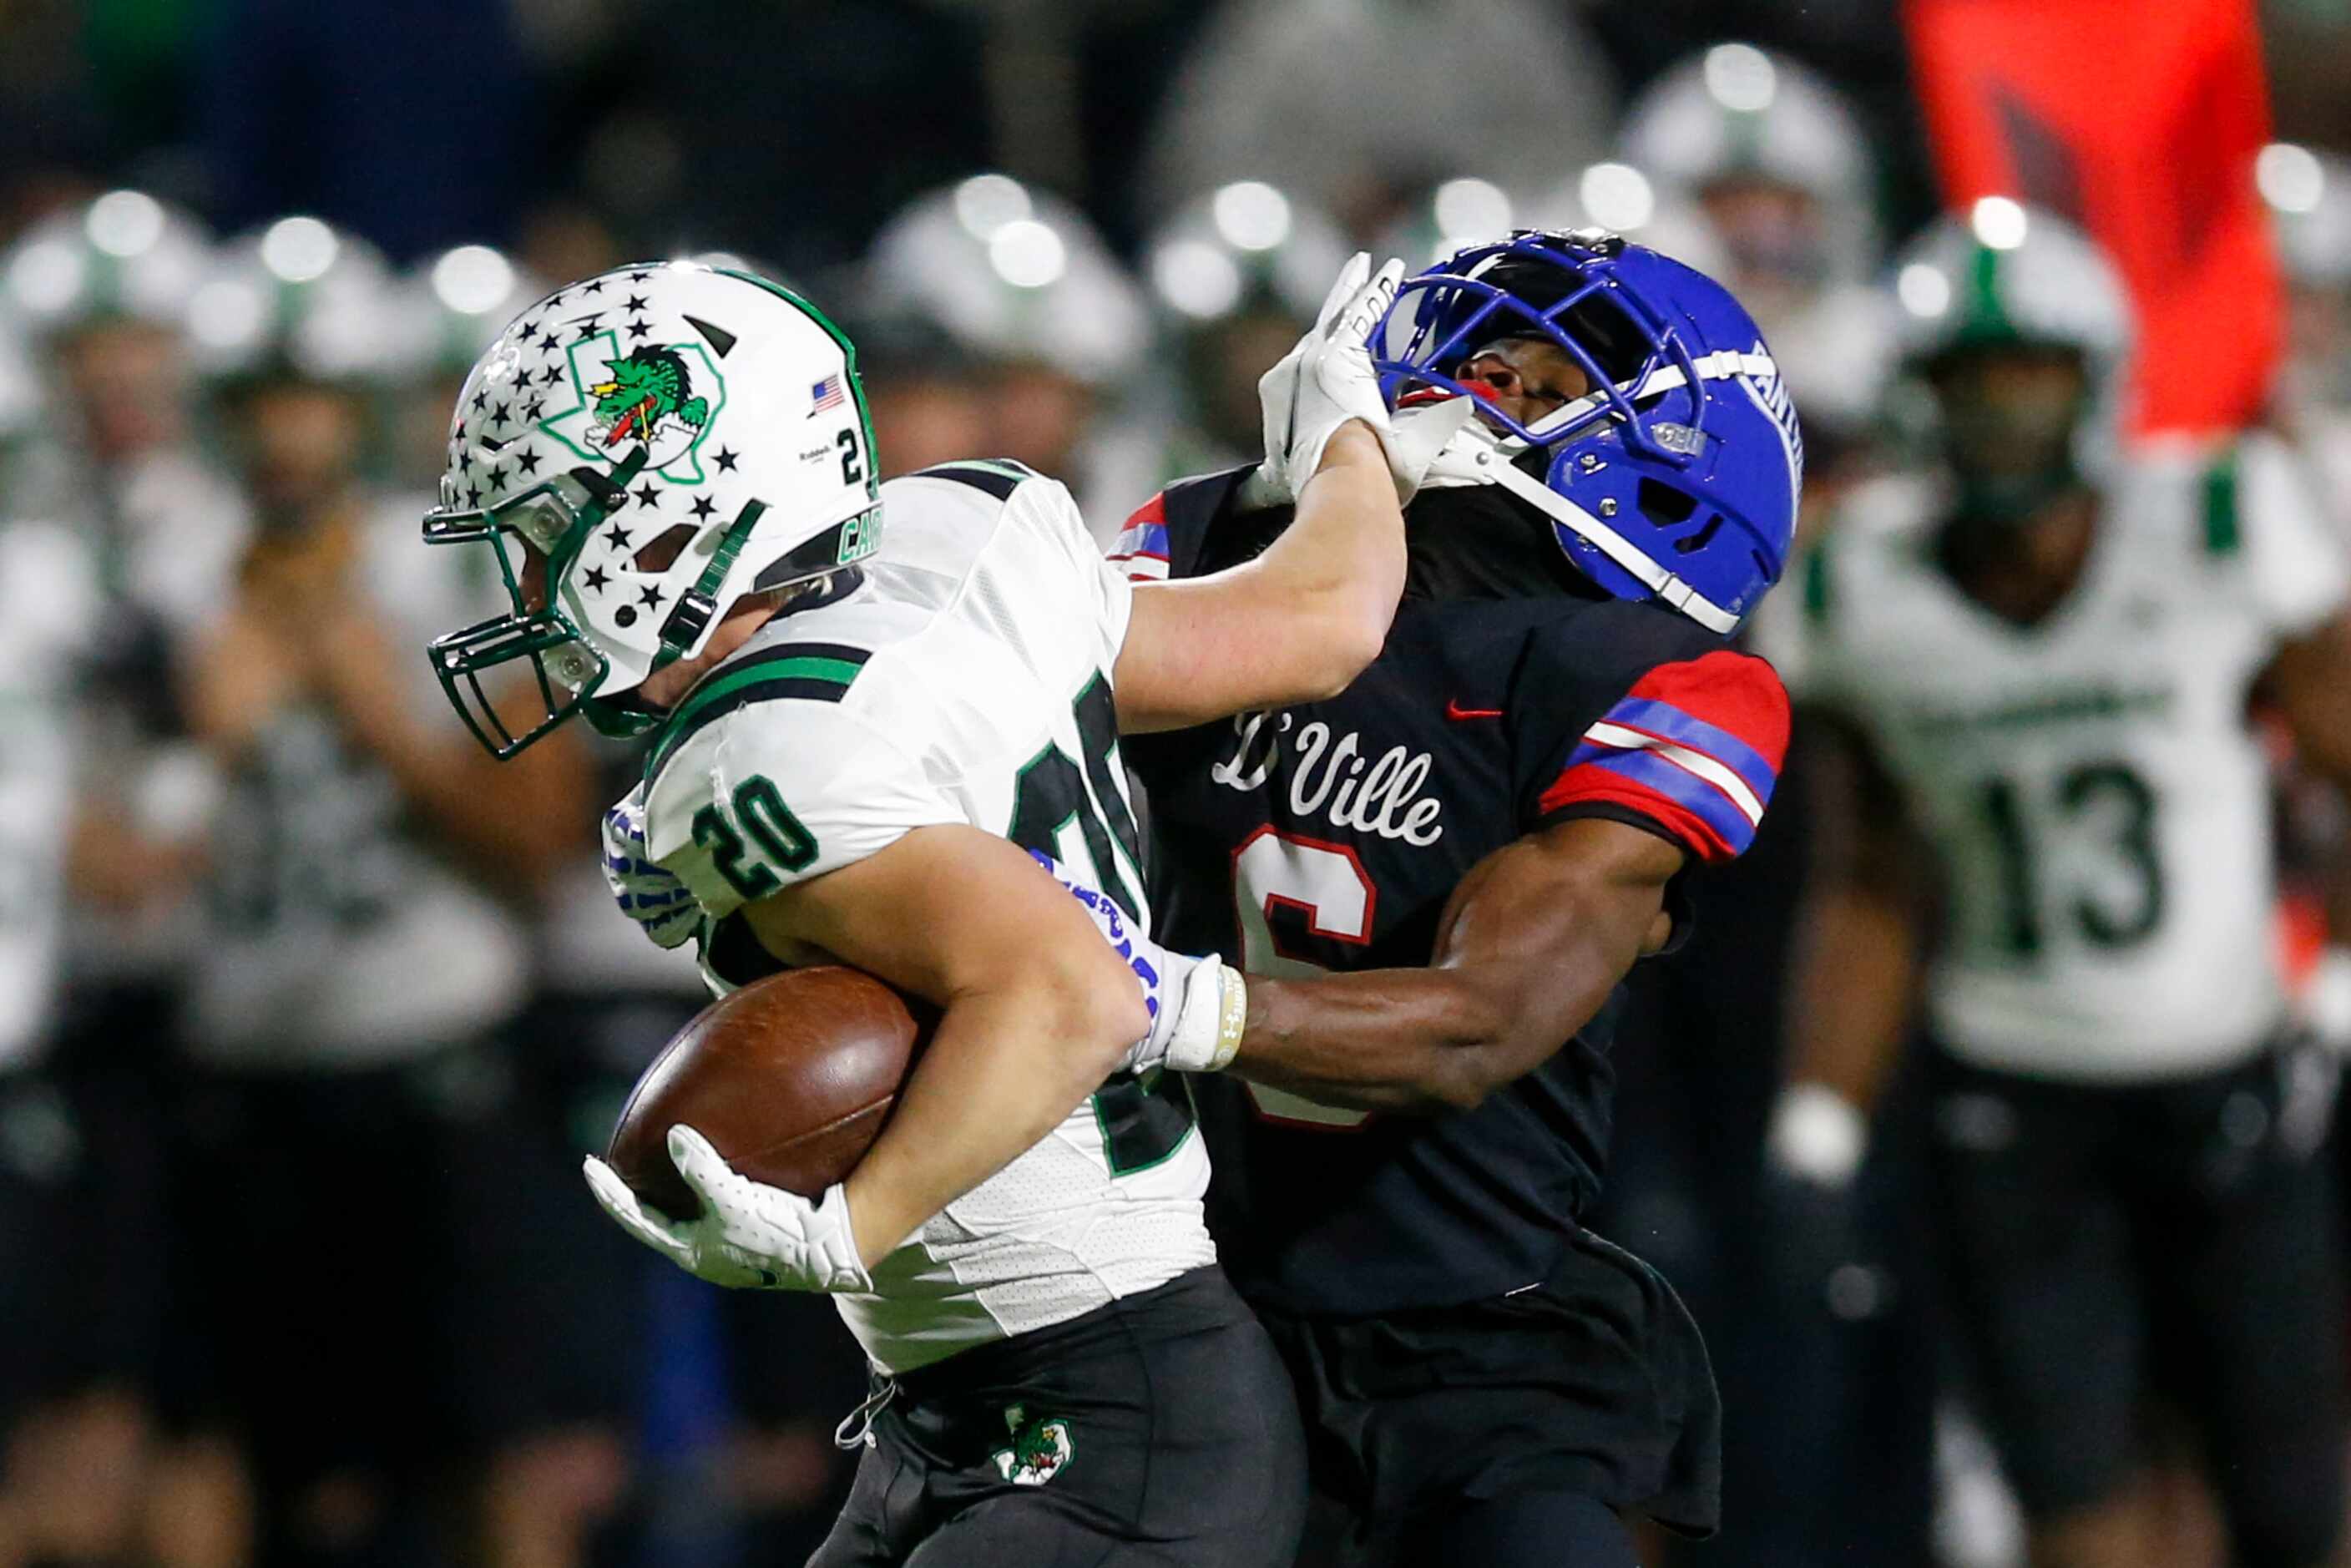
<point x="350" y="1101"/>
<point x="865" y="703"/>
<point x="1482" y="835"/>
<point x="122" y="532"/>
<point x="1775" y="162"/>
<point x="1041" y="317"/>
<point x="2039" y="653"/>
<point x="1233" y="278"/>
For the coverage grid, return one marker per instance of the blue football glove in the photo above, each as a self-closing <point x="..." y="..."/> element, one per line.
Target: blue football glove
<point x="1197" y="1005"/>
<point x="648" y="894"/>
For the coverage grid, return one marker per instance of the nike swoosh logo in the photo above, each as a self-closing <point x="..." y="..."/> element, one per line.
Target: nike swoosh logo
<point x="1454" y="710"/>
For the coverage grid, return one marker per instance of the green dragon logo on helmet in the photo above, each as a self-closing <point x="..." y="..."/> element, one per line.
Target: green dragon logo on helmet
<point x="663" y="395"/>
<point x="644" y="390"/>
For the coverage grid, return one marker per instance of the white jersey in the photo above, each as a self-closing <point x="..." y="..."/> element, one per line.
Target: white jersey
<point x="342" y="935"/>
<point x="965" y="681"/>
<point x="57" y="609"/>
<point x="2090" y="782"/>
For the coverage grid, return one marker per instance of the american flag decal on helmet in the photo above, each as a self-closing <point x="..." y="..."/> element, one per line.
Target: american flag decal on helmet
<point x="827" y="394"/>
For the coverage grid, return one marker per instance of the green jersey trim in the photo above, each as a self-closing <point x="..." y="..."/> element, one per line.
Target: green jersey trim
<point x="2221" y="532"/>
<point x="1819" y="592"/>
<point x="813" y="672"/>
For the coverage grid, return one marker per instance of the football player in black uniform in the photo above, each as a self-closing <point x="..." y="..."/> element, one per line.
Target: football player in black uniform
<point x="1437" y="879"/>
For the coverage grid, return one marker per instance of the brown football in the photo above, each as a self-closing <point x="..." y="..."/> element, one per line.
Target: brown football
<point x="790" y="1078"/>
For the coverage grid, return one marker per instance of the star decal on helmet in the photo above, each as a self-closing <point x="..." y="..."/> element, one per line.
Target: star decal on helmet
<point x="527" y="462"/>
<point x="647" y="496"/>
<point x="703" y="508"/>
<point x="595" y="578"/>
<point x="725" y="460"/>
<point x="650" y="597"/>
<point x="618" y="538"/>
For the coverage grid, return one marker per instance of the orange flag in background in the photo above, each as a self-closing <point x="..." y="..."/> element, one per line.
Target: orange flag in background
<point x="2140" y="122"/>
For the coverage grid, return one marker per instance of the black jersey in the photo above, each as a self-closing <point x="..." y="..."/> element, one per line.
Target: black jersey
<point x="1512" y="694"/>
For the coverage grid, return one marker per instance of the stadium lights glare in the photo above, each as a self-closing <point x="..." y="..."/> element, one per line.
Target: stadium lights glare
<point x="1479" y="208"/>
<point x="2290" y="178"/>
<point x="1741" y="77"/>
<point x="45" y="276"/>
<point x="1251" y="215"/>
<point x="1616" y="196"/>
<point x="298" y="249"/>
<point x="1923" y="290"/>
<point x="125" y="224"/>
<point x="986" y="203"/>
<point x="473" y="279"/>
<point x="1998" y="223"/>
<point x="1027" y="254"/>
<point x="1197" y="278"/>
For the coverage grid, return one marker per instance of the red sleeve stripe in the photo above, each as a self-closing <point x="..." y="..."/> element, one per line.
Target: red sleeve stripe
<point x="1141" y="548"/>
<point x="1712" y="830"/>
<point x="1695" y="746"/>
<point x="1604" y="738"/>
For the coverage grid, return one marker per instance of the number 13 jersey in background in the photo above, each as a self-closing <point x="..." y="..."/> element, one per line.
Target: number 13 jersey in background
<point x="1511" y="695"/>
<point x="2092" y="782"/>
<point x="966" y="680"/>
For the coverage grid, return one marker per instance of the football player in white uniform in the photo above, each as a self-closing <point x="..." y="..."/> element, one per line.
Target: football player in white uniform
<point x="868" y="705"/>
<point x="2045" y="652"/>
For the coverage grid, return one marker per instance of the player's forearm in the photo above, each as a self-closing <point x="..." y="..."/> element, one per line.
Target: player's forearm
<point x="1337" y="571"/>
<point x="1415" y="1041"/>
<point x="1002" y="1071"/>
<point x="1855" y="963"/>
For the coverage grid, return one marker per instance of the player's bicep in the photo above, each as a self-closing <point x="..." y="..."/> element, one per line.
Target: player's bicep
<point x="945" y="911"/>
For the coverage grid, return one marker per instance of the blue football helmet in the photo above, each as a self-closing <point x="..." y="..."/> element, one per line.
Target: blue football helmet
<point x="1677" y="477"/>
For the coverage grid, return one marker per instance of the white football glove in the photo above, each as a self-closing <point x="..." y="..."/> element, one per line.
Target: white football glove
<point x="651" y="896"/>
<point x="1197" y="1005"/>
<point x="749" y="1236"/>
<point x="1327" y="379"/>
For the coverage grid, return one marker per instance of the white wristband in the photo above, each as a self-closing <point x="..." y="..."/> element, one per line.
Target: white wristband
<point x="1215" y="1011"/>
<point x="1817" y="1134"/>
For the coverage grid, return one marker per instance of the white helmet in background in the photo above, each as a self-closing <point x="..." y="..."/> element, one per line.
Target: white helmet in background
<point x="452" y="307"/>
<point x="1738" y="114"/>
<point x="642" y="449"/>
<point x="299" y="298"/>
<point x="1248" y="241"/>
<point x="1010" y="273"/>
<point x="2005" y="274"/>
<point x="125" y="256"/>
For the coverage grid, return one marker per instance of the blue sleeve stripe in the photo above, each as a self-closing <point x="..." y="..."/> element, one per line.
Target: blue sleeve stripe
<point x="1144" y="538"/>
<point x="1678" y="786"/>
<point x="1667" y="722"/>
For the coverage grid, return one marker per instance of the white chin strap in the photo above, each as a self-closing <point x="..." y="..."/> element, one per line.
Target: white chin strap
<point x="1480" y="455"/>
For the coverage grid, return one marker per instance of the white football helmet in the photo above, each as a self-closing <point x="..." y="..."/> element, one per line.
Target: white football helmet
<point x="1739" y="112"/>
<point x="1010" y="273"/>
<point x="2007" y="274"/>
<point x="452" y="307"/>
<point x="298" y="298"/>
<point x="124" y="255"/>
<point x="1247" y="241"/>
<point x="642" y="449"/>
